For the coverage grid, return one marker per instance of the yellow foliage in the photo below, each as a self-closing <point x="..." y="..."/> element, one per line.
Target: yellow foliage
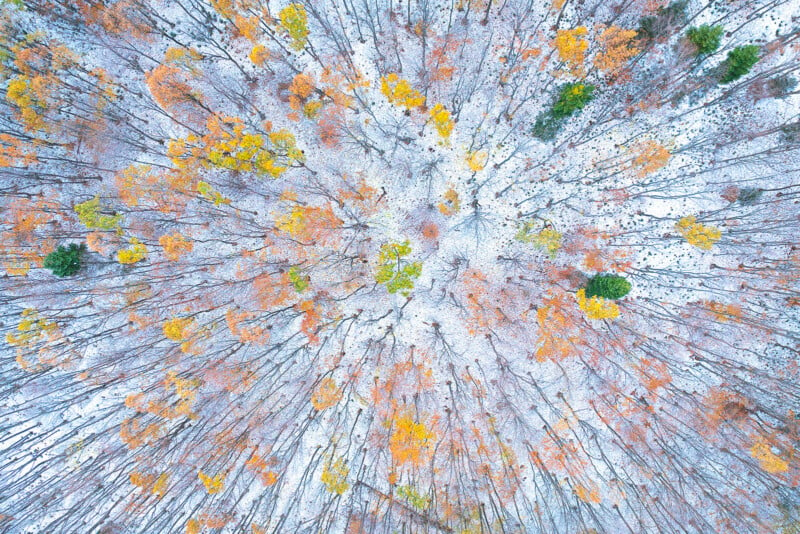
<point x="451" y="204"/>
<point x="177" y="329"/>
<point x="193" y="526"/>
<point x="571" y="46"/>
<point x="476" y="161"/>
<point x="770" y="462"/>
<point x="160" y="486"/>
<point x="185" y="57"/>
<point x="259" y="55"/>
<point x="442" y="121"/>
<point x="334" y="476"/>
<point x="697" y="234"/>
<point x="326" y="394"/>
<point x="587" y="495"/>
<point x="295" y="21"/>
<point x="548" y="239"/>
<point x="213" y="484"/>
<point x="149" y="483"/>
<point x="229" y="146"/>
<point x="400" y="93"/>
<point x="212" y="195"/>
<point x="311" y="109"/>
<point x="597" y="307"/>
<point x="31" y="329"/>
<point x="30" y="96"/>
<point x="410" y="440"/>
<point x="136" y="252"/>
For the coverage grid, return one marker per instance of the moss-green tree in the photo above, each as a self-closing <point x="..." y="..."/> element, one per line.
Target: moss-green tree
<point x="705" y="38"/>
<point x="740" y="60"/>
<point x="572" y="97"/>
<point x="608" y="286"/>
<point x="394" y="271"/>
<point x="65" y="261"/>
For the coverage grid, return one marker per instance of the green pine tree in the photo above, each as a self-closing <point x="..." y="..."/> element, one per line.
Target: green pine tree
<point x="706" y="38"/>
<point x="740" y="60"/>
<point x="608" y="286"/>
<point x="65" y="261"/>
<point x="572" y="97"/>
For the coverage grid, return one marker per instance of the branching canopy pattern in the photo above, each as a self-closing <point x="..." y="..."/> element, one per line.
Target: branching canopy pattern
<point x="383" y="266"/>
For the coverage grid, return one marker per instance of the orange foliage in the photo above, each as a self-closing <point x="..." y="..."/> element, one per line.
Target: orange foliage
<point x="489" y="307"/>
<point x="175" y="246"/>
<point x="723" y="313"/>
<point x="617" y="47"/>
<point x="311" y="224"/>
<point x="723" y="407"/>
<point x="262" y="466"/>
<point x="410" y="441"/>
<point x="648" y="157"/>
<point x="361" y="196"/>
<point x="134" y="434"/>
<point x="326" y="394"/>
<point x="169" y="87"/>
<point x="310" y="323"/>
<point x="301" y="88"/>
<point x="558" y="337"/>
<point x="122" y="18"/>
<point x="16" y="152"/>
<point x="21" y="247"/>
<point x="273" y="290"/>
<point x="440" y="65"/>
<point x="254" y="334"/>
<point x="654" y="374"/>
<point x="167" y="191"/>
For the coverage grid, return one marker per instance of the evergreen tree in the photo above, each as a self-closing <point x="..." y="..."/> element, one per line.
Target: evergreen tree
<point x="573" y="97"/>
<point x="706" y="38"/>
<point x="65" y="261"/>
<point x="740" y="61"/>
<point x="608" y="286"/>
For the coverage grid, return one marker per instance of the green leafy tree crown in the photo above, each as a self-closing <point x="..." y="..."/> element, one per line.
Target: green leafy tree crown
<point x="396" y="273"/>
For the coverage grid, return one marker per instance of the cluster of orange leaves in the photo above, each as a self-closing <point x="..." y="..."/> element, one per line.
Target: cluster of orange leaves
<point x="16" y="152"/>
<point x="21" y="248"/>
<point x="410" y="440"/>
<point x="209" y="521"/>
<point x="166" y="191"/>
<point x="648" y="157"/>
<point x="135" y="434"/>
<point x="617" y="48"/>
<point x="168" y="83"/>
<point x="558" y="336"/>
<point x="253" y="334"/>
<point x="175" y="246"/>
<point x="311" y="224"/>
<point x="326" y="394"/>
<point x="263" y="468"/>
<point x="150" y="483"/>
